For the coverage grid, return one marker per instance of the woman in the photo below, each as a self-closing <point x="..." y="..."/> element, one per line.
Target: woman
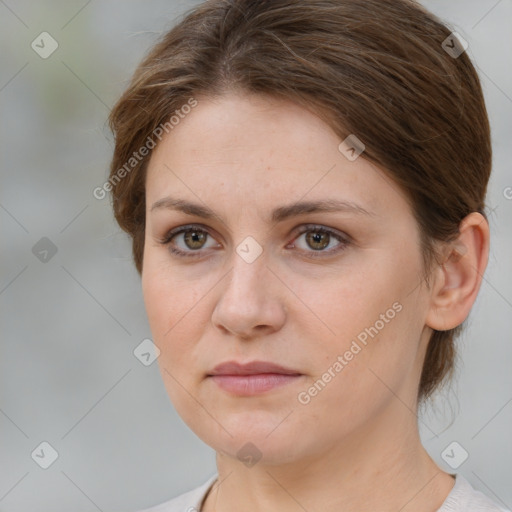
<point x="304" y="182"/>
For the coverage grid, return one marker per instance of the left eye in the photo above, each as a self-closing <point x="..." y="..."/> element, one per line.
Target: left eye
<point x="320" y="238"/>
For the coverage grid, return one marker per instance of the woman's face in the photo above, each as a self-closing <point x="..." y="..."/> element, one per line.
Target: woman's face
<point x="342" y="310"/>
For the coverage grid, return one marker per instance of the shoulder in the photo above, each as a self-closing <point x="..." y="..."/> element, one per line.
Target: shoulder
<point x="464" y="498"/>
<point x="187" y="502"/>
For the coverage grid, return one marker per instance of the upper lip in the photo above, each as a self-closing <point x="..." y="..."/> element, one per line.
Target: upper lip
<point x="251" y="368"/>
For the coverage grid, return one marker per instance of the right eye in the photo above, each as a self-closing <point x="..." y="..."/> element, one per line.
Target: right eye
<point x="193" y="239"/>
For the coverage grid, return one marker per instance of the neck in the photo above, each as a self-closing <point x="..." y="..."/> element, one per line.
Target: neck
<point x="382" y="467"/>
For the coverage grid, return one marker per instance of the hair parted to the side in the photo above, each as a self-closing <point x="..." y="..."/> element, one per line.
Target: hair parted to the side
<point x="373" y="68"/>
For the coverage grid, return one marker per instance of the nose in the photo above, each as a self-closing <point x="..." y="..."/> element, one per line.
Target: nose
<point x="251" y="303"/>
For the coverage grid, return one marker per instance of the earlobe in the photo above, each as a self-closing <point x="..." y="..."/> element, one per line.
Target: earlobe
<point x="458" y="279"/>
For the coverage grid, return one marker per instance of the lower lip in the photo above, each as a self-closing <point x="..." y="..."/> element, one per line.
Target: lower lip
<point x="247" y="385"/>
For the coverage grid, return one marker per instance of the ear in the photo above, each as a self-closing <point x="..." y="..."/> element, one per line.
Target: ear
<point x="458" y="279"/>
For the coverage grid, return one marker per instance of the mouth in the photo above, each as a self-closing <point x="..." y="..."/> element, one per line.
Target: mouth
<point x="252" y="378"/>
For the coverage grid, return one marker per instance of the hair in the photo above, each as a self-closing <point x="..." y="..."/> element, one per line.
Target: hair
<point x="374" y="68"/>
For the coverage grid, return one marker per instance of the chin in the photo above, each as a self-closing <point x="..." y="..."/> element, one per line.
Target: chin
<point x="255" y="435"/>
<point x="250" y="450"/>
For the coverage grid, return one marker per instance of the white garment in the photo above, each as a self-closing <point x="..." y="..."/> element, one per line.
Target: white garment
<point x="462" y="498"/>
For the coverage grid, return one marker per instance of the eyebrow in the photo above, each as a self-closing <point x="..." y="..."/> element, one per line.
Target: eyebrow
<point x="278" y="214"/>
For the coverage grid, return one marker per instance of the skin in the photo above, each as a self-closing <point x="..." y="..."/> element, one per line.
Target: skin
<point x="243" y="156"/>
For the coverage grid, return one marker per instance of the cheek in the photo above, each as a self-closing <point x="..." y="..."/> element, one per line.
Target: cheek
<point x="375" y="319"/>
<point x="353" y="381"/>
<point x="176" y="318"/>
<point x="174" y="310"/>
<point x="358" y="299"/>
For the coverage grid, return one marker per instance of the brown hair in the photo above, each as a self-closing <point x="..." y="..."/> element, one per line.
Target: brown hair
<point x="374" y="68"/>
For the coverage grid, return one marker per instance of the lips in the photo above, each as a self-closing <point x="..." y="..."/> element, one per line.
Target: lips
<point x="251" y="378"/>
<point x="251" y="368"/>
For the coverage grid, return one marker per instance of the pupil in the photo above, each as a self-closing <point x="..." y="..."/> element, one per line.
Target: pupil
<point x="194" y="237"/>
<point x="317" y="239"/>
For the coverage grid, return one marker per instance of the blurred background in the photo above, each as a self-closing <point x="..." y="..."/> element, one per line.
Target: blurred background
<point x="71" y="306"/>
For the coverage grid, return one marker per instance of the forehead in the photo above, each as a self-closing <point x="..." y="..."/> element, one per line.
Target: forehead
<point x="257" y="148"/>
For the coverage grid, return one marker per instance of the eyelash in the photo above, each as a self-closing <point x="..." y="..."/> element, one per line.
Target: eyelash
<point x="344" y="240"/>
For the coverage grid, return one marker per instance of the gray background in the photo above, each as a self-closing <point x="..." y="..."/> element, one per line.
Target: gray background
<point x="70" y="325"/>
